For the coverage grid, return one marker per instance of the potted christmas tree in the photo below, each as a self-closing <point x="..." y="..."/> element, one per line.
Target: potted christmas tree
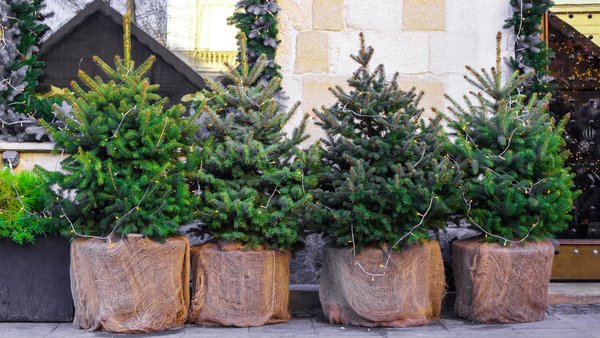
<point x="34" y="261"/>
<point x="121" y="188"/>
<point x="253" y="184"/>
<point x="388" y="186"/>
<point x="516" y="191"/>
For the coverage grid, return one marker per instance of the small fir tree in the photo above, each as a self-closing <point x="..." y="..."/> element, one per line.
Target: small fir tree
<point x="253" y="181"/>
<point x="124" y="173"/>
<point x="21" y="29"/>
<point x="516" y="185"/>
<point x="23" y="200"/>
<point x="389" y="180"/>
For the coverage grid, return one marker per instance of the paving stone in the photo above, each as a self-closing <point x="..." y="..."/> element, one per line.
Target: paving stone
<point x="499" y="334"/>
<point x="68" y="330"/>
<point x="291" y="328"/>
<point x="324" y="329"/>
<point x="553" y="333"/>
<point x="198" y="331"/>
<point x="564" y="321"/>
<point x="550" y="322"/>
<point x="65" y="330"/>
<point x="18" y="330"/>
<point x="434" y="329"/>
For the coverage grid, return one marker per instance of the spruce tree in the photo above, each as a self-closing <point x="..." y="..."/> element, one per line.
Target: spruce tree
<point x="516" y="185"/>
<point x="124" y="172"/>
<point x="21" y="29"/>
<point x="253" y="180"/>
<point x="389" y="182"/>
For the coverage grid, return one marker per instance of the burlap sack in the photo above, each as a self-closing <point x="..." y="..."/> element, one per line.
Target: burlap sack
<point x="408" y="292"/>
<point x="234" y="287"/>
<point x="131" y="286"/>
<point x="501" y="284"/>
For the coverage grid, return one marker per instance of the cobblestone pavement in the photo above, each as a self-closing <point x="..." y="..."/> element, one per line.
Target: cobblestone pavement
<point x="571" y="321"/>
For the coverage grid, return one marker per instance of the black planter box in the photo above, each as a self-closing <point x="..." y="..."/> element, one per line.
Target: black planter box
<point x="34" y="281"/>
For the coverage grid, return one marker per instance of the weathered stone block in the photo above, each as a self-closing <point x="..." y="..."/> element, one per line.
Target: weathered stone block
<point x="298" y="13"/>
<point x="450" y="52"/>
<point x="286" y="52"/>
<point x="315" y="90"/>
<point x="404" y="52"/>
<point x="432" y="87"/>
<point x="312" y="52"/>
<point x="328" y="15"/>
<point x="424" y="15"/>
<point x="315" y="93"/>
<point x="385" y="15"/>
<point x="305" y="267"/>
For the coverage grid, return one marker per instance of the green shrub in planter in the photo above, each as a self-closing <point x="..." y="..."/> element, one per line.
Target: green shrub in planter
<point x="33" y="260"/>
<point x="388" y="186"/>
<point x="23" y="200"/>
<point x="516" y="189"/>
<point x="253" y="185"/>
<point x="124" y="175"/>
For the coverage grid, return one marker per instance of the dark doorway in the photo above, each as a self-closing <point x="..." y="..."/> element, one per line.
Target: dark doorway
<point x="576" y="68"/>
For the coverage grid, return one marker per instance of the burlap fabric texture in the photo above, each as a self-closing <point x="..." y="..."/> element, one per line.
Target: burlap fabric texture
<point x="501" y="284"/>
<point x="408" y="292"/>
<point x="131" y="286"/>
<point x="237" y="287"/>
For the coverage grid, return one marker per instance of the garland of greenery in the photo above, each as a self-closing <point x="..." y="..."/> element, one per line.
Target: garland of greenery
<point x="257" y="19"/>
<point x="21" y="29"/>
<point x="531" y="52"/>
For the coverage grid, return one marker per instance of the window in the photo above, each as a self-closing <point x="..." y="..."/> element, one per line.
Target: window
<point x="198" y="31"/>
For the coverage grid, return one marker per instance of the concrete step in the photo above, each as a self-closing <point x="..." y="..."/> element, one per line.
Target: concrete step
<point x="574" y="293"/>
<point x="304" y="300"/>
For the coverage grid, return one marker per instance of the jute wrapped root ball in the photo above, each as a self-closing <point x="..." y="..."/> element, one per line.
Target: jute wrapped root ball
<point x="386" y="185"/>
<point x="237" y="287"/>
<point x="131" y="286"/>
<point x="505" y="284"/>
<point x="516" y="190"/>
<point x="253" y="185"/>
<point x="359" y="290"/>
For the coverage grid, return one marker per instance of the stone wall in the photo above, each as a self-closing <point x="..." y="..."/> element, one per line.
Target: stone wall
<point x="428" y="41"/>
